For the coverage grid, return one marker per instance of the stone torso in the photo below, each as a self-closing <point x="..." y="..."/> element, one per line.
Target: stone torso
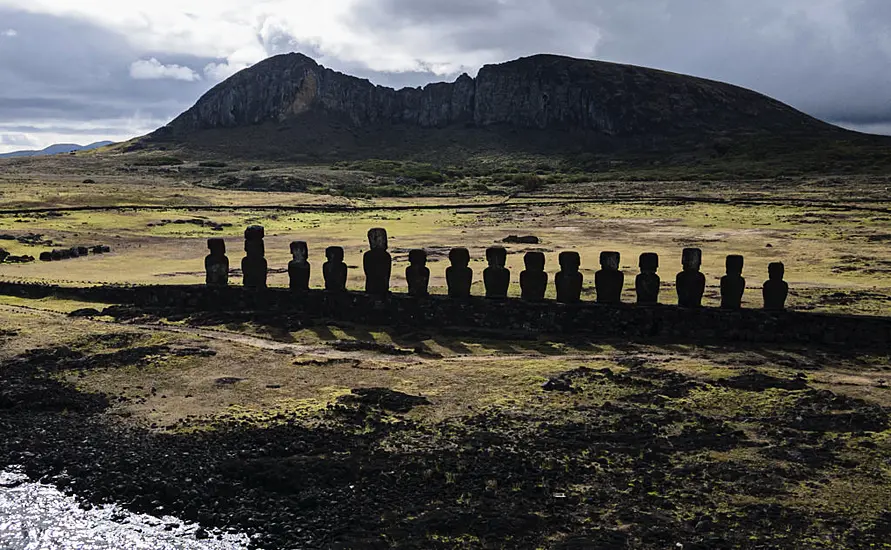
<point x="775" y="294"/>
<point x="378" y="264"/>
<point x="533" y="285"/>
<point x="335" y="274"/>
<point x="609" y="285"/>
<point x="497" y="281"/>
<point x="732" y="288"/>
<point x="299" y="272"/>
<point x="217" y="270"/>
<point x="647" y="286"/>
<point x="569" y="287"/>
<point x="418" y="278"/>
<point x="254" y="270"/>
<point x="459" y="280"/>
<point x="690" y="288"/>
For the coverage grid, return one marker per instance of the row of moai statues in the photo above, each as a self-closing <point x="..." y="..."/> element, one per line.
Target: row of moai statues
<point x="608" y="281"/>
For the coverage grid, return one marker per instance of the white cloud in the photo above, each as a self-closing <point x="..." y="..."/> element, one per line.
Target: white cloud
<point x="152" y="69"/>
<point x="9" y="33"/>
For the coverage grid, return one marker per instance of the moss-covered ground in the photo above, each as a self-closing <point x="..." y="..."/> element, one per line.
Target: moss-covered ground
<point x="440" y="440"/>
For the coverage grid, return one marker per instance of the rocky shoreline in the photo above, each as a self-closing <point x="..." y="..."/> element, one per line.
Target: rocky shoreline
<point x="365" y="476"/>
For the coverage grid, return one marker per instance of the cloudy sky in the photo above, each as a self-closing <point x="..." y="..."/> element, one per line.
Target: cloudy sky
<point x="86" y="70"/>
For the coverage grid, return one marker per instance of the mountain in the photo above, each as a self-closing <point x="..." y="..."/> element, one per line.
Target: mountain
<point x="56" y="149"/>
<point x="290" y="107"/>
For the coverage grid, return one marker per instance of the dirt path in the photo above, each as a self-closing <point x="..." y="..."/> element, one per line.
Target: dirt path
<point x="853" y="204"/>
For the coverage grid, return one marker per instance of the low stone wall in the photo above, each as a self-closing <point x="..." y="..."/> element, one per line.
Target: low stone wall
<point x="621" y="321"/>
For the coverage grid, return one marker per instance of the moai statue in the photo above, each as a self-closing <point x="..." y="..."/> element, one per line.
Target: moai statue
<point x="647" y="283"/>
<point x="609" y="280"/>
<point x="417" y="274"/>
<point x="534" y="280"/>
<point x="459" y="276"/>
<point x="775" y="290"/>
<point x="568" y="279"/>
<point x="690" y="282"/>
<point x="377" y="263"/>
<point x="253" y="266"/>
<point x="216" y="264"/>
<point x="496" y="277"/>
<point x="733" y="285"/>
<point x="299" y="268"/>
<point x="334" y="270"/>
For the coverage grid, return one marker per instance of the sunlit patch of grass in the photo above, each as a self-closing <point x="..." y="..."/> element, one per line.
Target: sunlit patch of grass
<point x="730" y="403"/>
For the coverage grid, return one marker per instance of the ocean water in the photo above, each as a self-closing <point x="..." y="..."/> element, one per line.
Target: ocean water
<point x="35" y="516"/>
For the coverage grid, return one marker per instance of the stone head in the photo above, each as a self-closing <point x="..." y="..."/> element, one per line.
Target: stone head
<point x="216" y="246"/>
<point x="254" y="232"/>
<point x="417" y="257"/>
<point x="570" y="261"/>
<point x="460" y="257"/>
<point x="299" y="251"/>
<point x="534" y="261"/>
<point x="649" y="262"/>
<point x="496" y="256"/>
<point x="609" y="260"/>
<point x="691" y="259"/>
<point x="377" y="238"/>
<point x="334" y="254"/>
<point x="734" y="264"/>
<point x="777" y="271"/>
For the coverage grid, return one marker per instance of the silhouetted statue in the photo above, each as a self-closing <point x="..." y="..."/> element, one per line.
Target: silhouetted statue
<point x="459" y="276"/>
<point x="299" y="268"/>
<point x="496" y="277"/>
<point x="534" y="280"/>
<point x="334" y="270"/>
<point x="377" y="263"/>
<point x="690" y="282"/>
<point x="417" y="274"/>
<point x="609" y="280"/>
<point x="569" y="280"/>
<point x="775" y="290"/>
<point x="216" y="264"/>
<point x="647" y="282"/>
<point x="733" y="285"/>
<point x="253" y="266"/>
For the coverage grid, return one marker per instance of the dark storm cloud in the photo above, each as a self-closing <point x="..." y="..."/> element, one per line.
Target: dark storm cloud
<point x="828" y="58"/>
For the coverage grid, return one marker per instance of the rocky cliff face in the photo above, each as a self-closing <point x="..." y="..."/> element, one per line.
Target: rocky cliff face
<point x="539" y="92"/>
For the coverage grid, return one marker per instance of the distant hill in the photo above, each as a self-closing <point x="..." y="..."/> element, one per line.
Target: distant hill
<point x="57" y="149"/>
<point x="289" y="107"/>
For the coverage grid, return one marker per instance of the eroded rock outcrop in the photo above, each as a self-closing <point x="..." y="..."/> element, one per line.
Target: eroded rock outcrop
<point x="537" y="92"/>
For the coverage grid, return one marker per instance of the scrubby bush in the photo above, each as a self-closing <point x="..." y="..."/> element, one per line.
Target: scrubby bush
<point x="158" y="161"/>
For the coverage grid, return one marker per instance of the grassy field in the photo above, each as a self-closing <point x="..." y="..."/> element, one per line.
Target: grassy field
<point x="600" y="443"/>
